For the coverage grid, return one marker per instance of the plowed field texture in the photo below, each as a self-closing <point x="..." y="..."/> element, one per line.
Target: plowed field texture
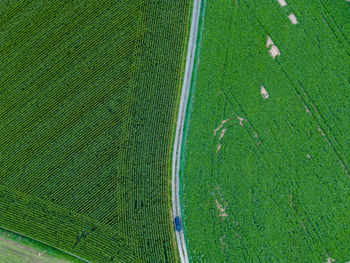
<point x="88" y="96"/>
<point x="267" y="158"/>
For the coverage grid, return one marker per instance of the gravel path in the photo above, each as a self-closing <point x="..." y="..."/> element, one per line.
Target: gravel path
<point x="180" y="126"/>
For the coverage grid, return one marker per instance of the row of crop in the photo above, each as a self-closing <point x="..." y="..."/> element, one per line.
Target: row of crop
<point x="64" y="229"/>
<point x="94" y="92"/>
<point x="49" y="72"/>
<point x="149" y="139"/>
<point x="83" y="158"/>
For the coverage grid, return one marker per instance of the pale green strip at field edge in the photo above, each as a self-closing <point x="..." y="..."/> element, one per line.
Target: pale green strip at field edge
<point x="11" y="251"/>
<point x="18" y="248"/>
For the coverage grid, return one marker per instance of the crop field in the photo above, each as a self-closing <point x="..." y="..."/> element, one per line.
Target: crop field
<point x="266" y="166"/>
<point x="88" y="96"/>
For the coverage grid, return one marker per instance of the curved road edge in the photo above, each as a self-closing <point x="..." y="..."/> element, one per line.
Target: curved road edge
<point x="175" y="186"/>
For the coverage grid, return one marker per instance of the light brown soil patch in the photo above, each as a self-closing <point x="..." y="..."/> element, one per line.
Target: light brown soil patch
<point x="293" y="19"/>
<point x="282" y="2"/>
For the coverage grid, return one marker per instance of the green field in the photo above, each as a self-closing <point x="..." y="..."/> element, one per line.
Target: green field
<point x="267" y="180"/>
<point x="88" y="97"/>
<point x="11" y="251"/>
<point x="17" y="248"/>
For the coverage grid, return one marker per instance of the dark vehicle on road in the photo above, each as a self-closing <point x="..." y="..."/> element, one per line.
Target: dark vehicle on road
<point x="178" y="224"/>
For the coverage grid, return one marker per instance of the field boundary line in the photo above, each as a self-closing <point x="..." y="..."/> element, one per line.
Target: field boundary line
<point x="36" y="240"/>
<point x="175" y="186"/>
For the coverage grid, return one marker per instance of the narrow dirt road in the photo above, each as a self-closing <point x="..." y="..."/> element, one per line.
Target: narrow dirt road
<point x="180" y="126"/>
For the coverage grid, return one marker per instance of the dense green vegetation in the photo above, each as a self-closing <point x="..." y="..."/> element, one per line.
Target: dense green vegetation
<point x="272" y="184"/>
<point x="88" y="94"/>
